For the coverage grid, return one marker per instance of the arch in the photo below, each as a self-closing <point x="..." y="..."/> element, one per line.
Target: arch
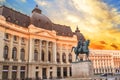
<point x="64" y="57"/>
<point x="58" y="57"/>
<point x="22" y="55"/>
<point x="49" y="56"/>
<point x="43" y="55"/>
<point x="14" y="53"/>
<point x="70" y="57"/>
<point x="35" y="55"/>
<point x="9" y="19"/>
<point x="5" y="54"/>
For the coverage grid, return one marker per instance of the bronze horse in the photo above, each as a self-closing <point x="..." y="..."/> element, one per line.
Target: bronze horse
<point x="82" y="48"/>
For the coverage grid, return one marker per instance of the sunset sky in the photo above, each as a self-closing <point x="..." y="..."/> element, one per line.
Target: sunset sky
<point x="98" y="20"/>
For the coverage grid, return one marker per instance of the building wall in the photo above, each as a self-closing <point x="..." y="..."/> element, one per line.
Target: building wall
<point x="34" y="41"/>
<point x="105" y="61"/>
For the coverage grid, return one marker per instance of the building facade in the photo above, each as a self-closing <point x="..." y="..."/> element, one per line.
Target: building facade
<point x="34" y="47"/>
<point x="105" y="61"/>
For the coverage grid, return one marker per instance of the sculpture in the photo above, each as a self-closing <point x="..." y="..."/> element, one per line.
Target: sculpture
<point x="82" y="48"/>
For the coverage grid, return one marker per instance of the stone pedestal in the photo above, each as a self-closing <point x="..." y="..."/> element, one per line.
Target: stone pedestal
<point x="82" y="69"/>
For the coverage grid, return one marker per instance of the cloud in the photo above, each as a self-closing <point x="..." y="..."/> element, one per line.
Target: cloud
<point x="96" y="20"/>
<point x="103" y="42"/>
<point x="42" y="2"/>
<point x="23" y="1"/>
<point x="1" y="1"/>
<point x="114" y="46"/>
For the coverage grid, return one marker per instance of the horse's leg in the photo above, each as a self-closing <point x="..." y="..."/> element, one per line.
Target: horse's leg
<point x="87" y="55"/>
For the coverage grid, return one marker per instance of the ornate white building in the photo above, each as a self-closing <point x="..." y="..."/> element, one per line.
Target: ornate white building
<point x="105" y="61"/>
<point x="34" y="47"/>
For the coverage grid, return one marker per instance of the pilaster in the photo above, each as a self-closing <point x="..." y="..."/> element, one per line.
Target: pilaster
<point x="0" y="72"/>
<point x="54" y="52"/>
<point x="10" y="72"/>
<point x="40" y="49"/>
<point x="11" y="47"/>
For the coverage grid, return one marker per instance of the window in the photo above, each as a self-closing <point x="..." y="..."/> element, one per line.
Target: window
<point x="6" y="36"/>
<point x="5" y="55"/>
<point x="14" y="53"/>
<point x="64" y="58"/>
<point x="36" y="55"/>
<point x="14" y="72"/>
<point x="49" y="56"/>
<point x="58" y="72"/>
<point x="50" y="44"/>
<point x="58" y="57"/>
<point x="22" y="56"/>
<point x="16" y="21"/>
<point x="8" y="18"/>
<point x="22" y="40"/>
<point x="5" y="73"/>
<point x="22" y="72"/>
<point x="15" y="38"/>
<point x="70" y="57"/>
<point x="42" y="55"/>
<point x="36" y="41"/>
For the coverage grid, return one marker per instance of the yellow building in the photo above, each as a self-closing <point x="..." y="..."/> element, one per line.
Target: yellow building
<point x="34" y="47"/>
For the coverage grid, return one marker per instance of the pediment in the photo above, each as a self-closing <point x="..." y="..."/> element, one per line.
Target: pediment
<point x="46" y="34"/>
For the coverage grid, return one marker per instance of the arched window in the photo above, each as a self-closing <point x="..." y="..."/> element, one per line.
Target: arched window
<point x="64" y="57"/>
<point x="14" y="53"/>
<point x="70" y="57"/>
<point x="49" y="56"/>
<point x="36" y="55"/>
<point x="5" y="55"/>
<point x="9" y="18"/>
<point x="58" y="57"/>
<point x="42" y="55"/>
<point x="22" y="56"/>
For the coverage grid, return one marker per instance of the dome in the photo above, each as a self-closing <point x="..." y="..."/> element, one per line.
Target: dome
<point x="40" y="20"/>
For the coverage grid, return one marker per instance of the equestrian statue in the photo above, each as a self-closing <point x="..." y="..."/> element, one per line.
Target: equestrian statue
<point x="82" y="48"/>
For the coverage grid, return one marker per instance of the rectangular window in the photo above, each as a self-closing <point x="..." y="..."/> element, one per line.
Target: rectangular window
<point x="14" y="72"/>
<point x="22" y="75"/>
<point x="5" y="72"/>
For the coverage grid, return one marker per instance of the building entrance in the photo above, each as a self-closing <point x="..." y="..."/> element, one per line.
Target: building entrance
<point x="44" y="73"/>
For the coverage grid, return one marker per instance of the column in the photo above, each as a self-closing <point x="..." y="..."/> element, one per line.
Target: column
<point x="18" y="72"/>
<point x="62" y="72"/>
<point x="60" y="53"/>
<point x="31" y="46"/>
<point x="54" y="52"/>
<point x="46" y="51"/>
<point x="68" y="71"/>
<point x="11" y="47"/>
<point x="48" y="73"/>
<point x="19" y="49"/>
<point x="67" y="54"/>
<point x="10" y="72"/>
<point x="1" y="70"/>
<point x="2" y="34"/>
<point x="31" y="73"/>
<point x="54" y="72"/>
<point x="40" y="72"/>
<point x="40" y="49"/>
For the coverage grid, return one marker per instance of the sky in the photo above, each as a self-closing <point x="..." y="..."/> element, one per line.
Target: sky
<point x="98" y="20"/>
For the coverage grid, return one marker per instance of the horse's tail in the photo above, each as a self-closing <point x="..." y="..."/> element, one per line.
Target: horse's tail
<point x="72" y="49"/>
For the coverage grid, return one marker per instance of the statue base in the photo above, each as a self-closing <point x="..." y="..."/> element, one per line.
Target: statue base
<point x="82" y="69"/>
